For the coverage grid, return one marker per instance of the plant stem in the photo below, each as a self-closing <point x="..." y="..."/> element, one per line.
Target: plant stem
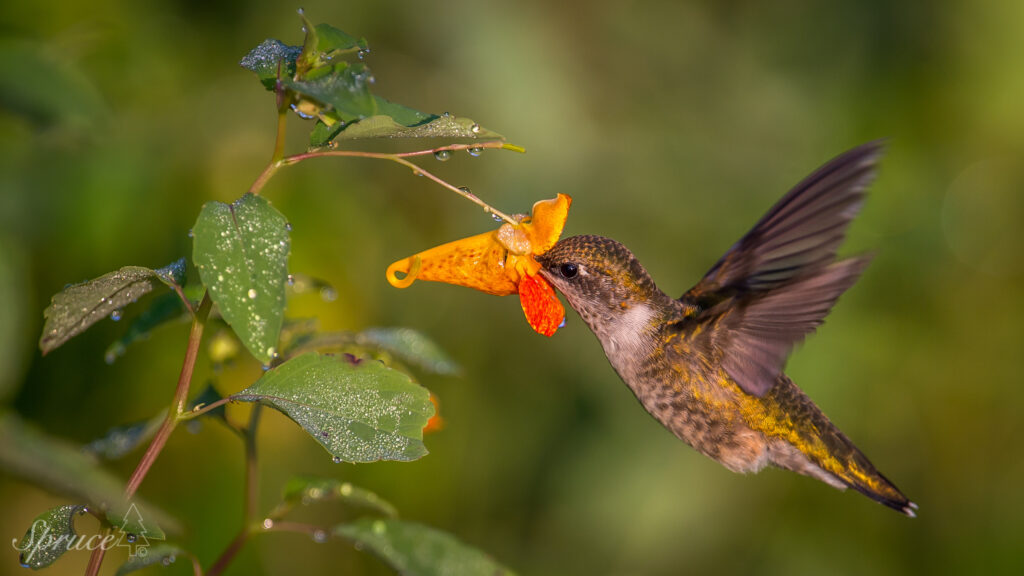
<point x="177" y="407"/>
<point x="96" y="558"/>
<point x="200" y="410"/>
<point x="282" y="124"/>
<point x="399" y="158"/>
<point x="252" y="495"/>
<point x="180" y="397"/>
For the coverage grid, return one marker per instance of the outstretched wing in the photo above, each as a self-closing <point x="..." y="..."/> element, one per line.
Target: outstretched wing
<point x="801" y="232"/>
<point x="777" y="284"/>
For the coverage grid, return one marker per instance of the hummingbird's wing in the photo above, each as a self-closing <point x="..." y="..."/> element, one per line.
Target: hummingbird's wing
<point x="801" y="232"/>
<point x="777" y="284"/>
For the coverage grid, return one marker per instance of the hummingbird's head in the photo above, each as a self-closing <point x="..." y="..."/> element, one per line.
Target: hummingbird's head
<point x="602" y="281"/>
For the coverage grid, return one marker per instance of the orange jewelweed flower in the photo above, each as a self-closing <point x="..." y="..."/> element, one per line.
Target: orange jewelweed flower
<point x="499" y="262"/>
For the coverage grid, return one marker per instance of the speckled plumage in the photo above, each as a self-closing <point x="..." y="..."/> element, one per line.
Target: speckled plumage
<point x="709" y="366"/>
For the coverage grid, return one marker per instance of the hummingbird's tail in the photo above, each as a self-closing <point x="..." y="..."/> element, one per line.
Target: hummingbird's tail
<point x="827" y="454"/>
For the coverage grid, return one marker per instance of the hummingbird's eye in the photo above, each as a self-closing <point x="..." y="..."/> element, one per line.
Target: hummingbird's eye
<point x="569" y="270"/>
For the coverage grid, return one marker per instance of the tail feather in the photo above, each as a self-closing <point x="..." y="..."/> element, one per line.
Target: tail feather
<point x="829" y="451"/>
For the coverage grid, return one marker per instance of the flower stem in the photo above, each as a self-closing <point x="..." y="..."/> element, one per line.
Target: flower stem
<point x="399" y="158"/>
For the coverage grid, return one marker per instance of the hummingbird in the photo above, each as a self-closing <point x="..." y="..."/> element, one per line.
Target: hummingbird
<point x="709" y="365"/>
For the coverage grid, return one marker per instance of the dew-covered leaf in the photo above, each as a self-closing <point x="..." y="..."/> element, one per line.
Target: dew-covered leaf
<point x="270" y="57"/>
<point x="241" y="251"/>
<point x="397" y="121"/>
<point x="343" y="87"/>
<point x="163" y="554"/>
<point x="162" y="310"/>
<point x="63" y="469"/>
<point x="323" y="43"/>
<point x="121" y="440"/>
<point x="79" y="306"/>
<point x="306" y="491"/>
<point x="410" y="346"/>
<point x="49" y="537"/>
<point x="416" y="550"/>
<point x="359" y="410"/>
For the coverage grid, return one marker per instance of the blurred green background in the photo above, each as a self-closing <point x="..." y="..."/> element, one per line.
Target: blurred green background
<point x="673" y="126"/>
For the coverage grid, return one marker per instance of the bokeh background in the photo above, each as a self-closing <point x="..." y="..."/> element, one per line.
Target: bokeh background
<point x="673" y="126"/>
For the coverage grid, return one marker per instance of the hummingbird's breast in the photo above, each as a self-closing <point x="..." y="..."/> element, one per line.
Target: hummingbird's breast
<point x="689" y="393"/>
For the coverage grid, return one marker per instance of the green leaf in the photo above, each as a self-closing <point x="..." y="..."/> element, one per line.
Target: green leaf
<point x="308" y="490"/>
<point x="322" y="134"/>
<point x="332" y="42"/>
<point x="270" y="58"/>
<point x="417" y="550"/>
<point x="162" y="310"/>
<point x="410" y="346"/>
<point x="79" y="306"/>
<point x="51" y="535"/>
<point x="133" y="528"/>
<point x="121" y="440"/>
<point x="241" y="251"/>
<point x="359" y="410"/>
<point x="59" y="467"/>
<point x="343" y="87"/>
<point x="398" y="121"/>
<point x="164" y="554"/>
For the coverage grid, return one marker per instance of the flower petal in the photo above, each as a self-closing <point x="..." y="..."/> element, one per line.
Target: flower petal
<point x="543" y="309"/>
<point x="475" y="262"/>
<point x="545" y="225"/>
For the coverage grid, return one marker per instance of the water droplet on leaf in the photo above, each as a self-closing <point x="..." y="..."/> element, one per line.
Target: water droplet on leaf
<point x="328" y="294"/>
<point x="130" y="537"/>
<point x="443" y="155"/>
<point x="288" y="226"/>
<point x="475" y="128"/>
<point x="336" y="459"/>
<point x="475" y="151"/>
<point x="268" y="524"/>
<point x="379" y="527"/>
<point x="291" y="280"/>
<point x="115" y="315"/>
<point x="319" y="536"/>
<point x="252" y="293"/>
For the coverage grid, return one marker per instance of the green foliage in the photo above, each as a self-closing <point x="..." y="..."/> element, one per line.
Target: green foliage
<point x="306" y="491"/>
<point x="404" y="344"/>
<point x="79" y="306"/>
<point x="64" y="469"/>
<point x="409" y="346"/>
<point x="241" y="251"/>
<point x="359" y="410"/>
<point x="48" y="537"/>
<point x="163" y="554"/>
<point x="417" y="550"/>
<point x="318" y="83"/>
<point x="122" y="440"/>
<point x="162" y="310"/>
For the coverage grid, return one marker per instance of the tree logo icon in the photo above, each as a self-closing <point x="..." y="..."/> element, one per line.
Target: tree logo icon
<point x="136" y="540"/>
